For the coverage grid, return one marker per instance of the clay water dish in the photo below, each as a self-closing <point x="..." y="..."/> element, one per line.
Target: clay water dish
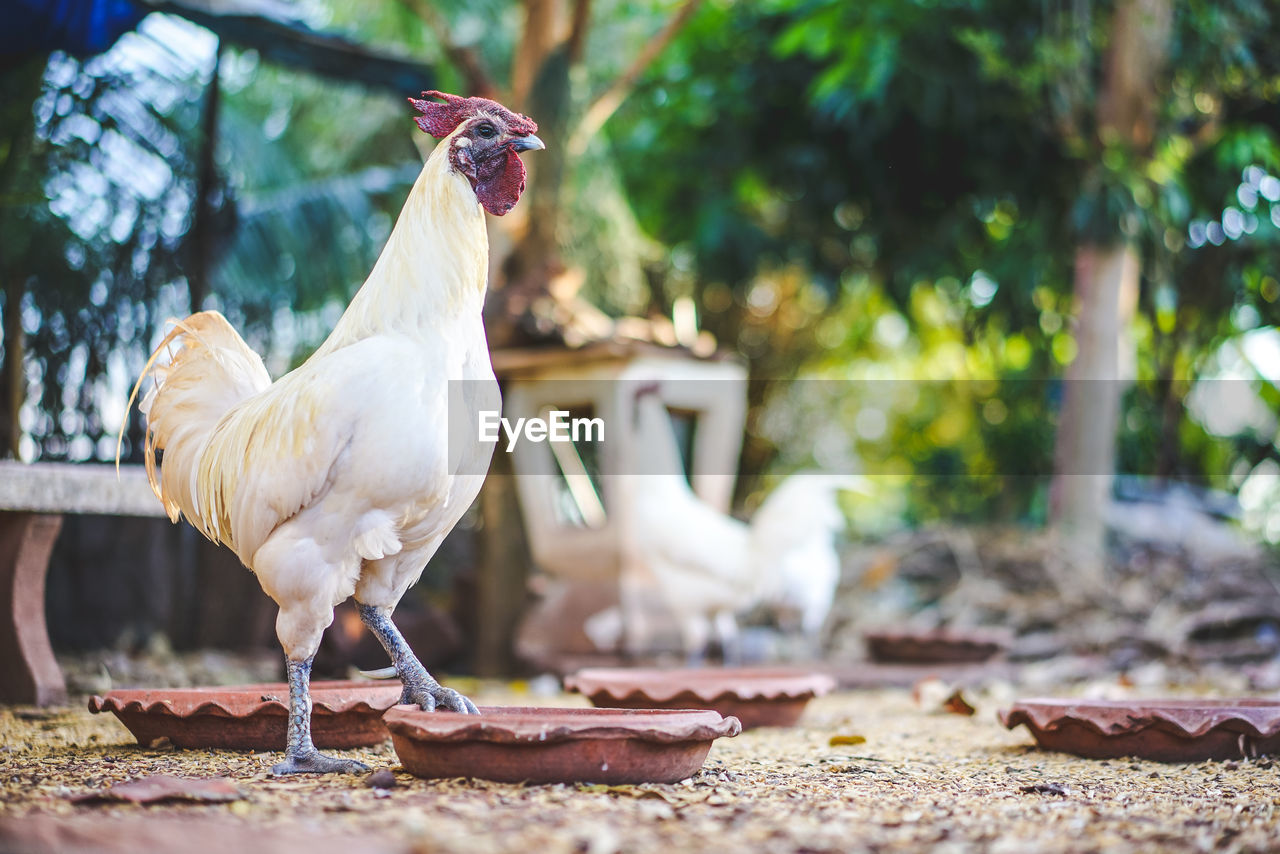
<point x="251" y="717"/>
<point x="936" y="646"/>
<point x="1162" y="730"/>
<point x="550" y="745"/>
<point x="757" y="696"/>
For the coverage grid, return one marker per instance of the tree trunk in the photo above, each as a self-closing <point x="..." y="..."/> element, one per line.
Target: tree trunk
<point x="552" y="43"/>
<point x="1106" y="287"/>
<point x="1106" y="283"/>
<point x="503" y="577"/>
<point x="19" y="88"/>
<point x="14" y="380"/>
<point x="535" y="260"/>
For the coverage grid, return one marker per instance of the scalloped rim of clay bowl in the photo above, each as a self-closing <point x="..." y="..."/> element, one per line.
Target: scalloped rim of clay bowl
<point x="344" y="714"/>
<point x="1164" y="730"/>
<point x="937" y="646"/>
<point x="757" y="696"/>
<point x="514" y="744"/>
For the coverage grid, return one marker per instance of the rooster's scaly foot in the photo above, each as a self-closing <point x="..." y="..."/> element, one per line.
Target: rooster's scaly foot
<point x="419" y="688"/>
<point x="317" y="763"/>
<point x="431" y="695"/>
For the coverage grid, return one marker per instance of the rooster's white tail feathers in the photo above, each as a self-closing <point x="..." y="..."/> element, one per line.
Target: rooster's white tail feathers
<point x="209" y="371"/>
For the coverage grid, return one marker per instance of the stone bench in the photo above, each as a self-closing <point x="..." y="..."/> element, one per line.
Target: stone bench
<point x="33" y="500"/>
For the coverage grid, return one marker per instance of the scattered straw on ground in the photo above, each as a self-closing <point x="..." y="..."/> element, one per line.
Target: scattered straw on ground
<point x="919" y="781"/>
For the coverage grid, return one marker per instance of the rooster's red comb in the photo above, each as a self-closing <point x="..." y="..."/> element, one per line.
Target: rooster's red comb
<point x="440" y="120"/>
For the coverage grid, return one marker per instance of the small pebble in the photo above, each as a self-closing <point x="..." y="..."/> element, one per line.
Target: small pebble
<point x="383" y="779"/>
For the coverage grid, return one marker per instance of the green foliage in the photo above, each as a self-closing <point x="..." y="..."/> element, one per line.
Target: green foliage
<point x="938" y="163"/>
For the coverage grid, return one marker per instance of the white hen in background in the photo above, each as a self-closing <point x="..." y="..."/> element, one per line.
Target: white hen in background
<point x="793" y="537"/>
<point x="711" y="567"/>
<point x="698" y="556"/>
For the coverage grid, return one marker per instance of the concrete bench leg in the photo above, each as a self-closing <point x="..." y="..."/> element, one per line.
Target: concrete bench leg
<point x="29" y="673"/>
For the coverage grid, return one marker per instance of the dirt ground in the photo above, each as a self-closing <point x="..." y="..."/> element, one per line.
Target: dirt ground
<point x="921" y="781"/>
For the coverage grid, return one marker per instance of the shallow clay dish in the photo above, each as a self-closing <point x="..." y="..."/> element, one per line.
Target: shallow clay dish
<point x="1163" y="730"/>
<point x="252" y="717"/>
<point x="757" y="696"/>
<point x="936" y="646"/>
<point x="543" y="745"/>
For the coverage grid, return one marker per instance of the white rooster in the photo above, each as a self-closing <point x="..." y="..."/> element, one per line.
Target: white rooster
<point x="336" y="480"/>
<point x="711" y="567"/>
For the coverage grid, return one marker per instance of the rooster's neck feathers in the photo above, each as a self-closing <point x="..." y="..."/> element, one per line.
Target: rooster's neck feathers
<point x="434" y="268"/>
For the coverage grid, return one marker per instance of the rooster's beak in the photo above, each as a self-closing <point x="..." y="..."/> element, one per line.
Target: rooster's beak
<point x="528" y="143"/>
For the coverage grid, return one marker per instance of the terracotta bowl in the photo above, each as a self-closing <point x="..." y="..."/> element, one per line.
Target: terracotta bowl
<point x="252" y="717"/>
<point x="1163" y="730"/>
<point x="757" y="696"/>
<point x="936" y="646"/>
<point x="545" y="745"/>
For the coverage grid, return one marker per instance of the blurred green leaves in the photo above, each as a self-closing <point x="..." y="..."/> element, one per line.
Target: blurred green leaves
<point x="938" y="163"/>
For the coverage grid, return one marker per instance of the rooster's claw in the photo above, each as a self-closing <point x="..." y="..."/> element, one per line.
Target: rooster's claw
<point x="317" y="763"/>
<point x="430" y="698"/>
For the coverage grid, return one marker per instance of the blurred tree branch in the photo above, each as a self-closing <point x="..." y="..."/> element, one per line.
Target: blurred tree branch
<point x="465" y="59"/>
<point x="578" y="30"/>
<point x="537" y="41"/>
<point x="610" y="99"/>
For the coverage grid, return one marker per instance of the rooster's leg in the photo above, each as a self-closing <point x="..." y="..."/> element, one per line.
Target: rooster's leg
<point x="419" y="687"/>
<point x="301" y="756"/>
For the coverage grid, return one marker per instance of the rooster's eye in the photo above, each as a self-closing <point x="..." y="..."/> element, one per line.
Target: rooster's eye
<point x="487" y="131"/>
